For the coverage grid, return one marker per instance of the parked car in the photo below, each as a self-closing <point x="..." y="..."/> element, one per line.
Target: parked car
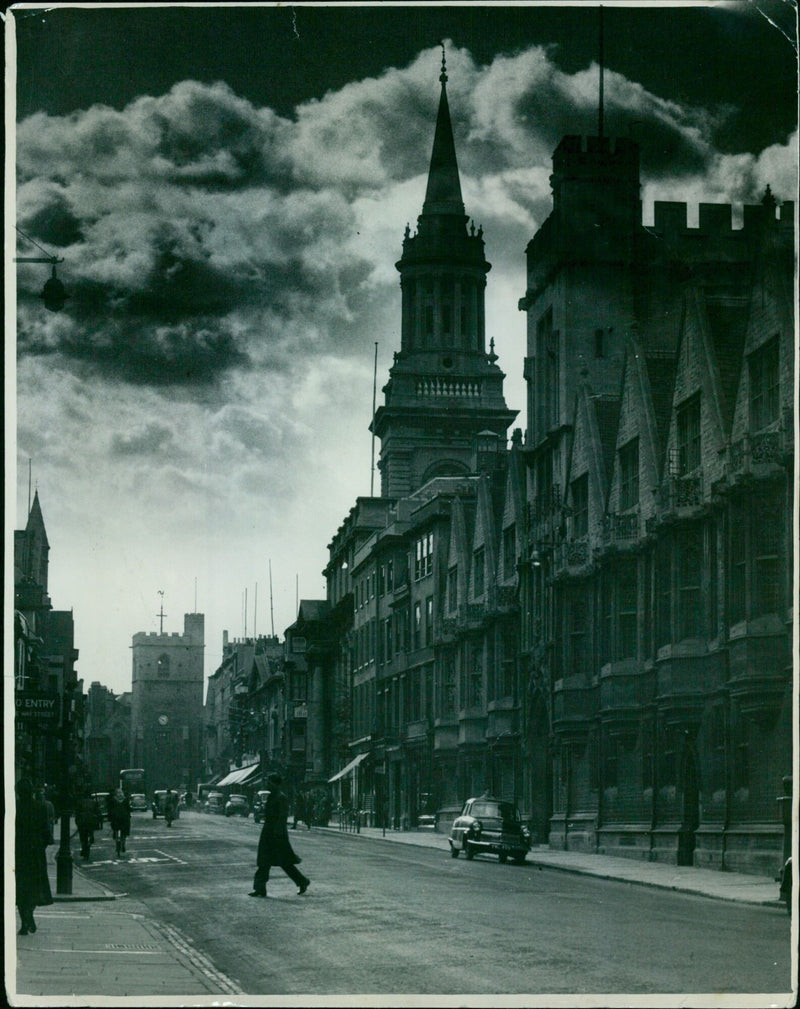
<point x="258" y="806"/>
<point x="138" y="802"/>
<point x="215" y="803"/>
<point x="101" y="805"/>
<point x="237" y="805"/>
<point x="159" y="804"/>
<point x="490" y="826"/>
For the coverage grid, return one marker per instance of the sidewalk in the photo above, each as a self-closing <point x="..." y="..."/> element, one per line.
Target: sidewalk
<point x="97" y="943"/>
<point x="686" y="879"/>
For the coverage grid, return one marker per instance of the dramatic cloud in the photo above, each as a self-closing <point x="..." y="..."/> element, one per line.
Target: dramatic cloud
<point x="229" y="271"/>
<point x="197" y="228"/>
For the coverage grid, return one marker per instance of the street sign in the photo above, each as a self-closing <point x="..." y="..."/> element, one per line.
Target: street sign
<point x="37" y="706"/>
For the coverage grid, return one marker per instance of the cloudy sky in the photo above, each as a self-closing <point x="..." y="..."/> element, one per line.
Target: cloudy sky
<point x="228" y="188"/>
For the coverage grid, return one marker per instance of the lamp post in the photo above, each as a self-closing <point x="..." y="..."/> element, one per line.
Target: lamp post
<point x="64" y="853"/>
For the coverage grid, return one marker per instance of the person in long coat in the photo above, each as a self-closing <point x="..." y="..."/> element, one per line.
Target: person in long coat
<point x="86" y="813"/>
<point x="273" y="844"/>
<point x="31" y="837"/>
<point x="119" y="816"/>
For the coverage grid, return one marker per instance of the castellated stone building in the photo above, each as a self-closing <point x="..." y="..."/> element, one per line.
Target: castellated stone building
<point x="167" y="704"/>
<point x="595" y="620"/>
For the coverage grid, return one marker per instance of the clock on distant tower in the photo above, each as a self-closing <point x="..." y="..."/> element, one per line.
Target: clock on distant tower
<point x="162" y="719"/>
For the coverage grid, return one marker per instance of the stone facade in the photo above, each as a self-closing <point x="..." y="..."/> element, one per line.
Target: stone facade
<point x="656" y="579"/>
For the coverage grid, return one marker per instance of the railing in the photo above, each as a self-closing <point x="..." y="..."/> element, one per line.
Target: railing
<point x="474" y="612"/>
<point x="620" y="527"/>
<point x="681" y="492"/>
<point x="349" y="819"/>
<point x="575" y="553"/>
<point x="763" y="449"/>
<point x="457" y="387"/>
<point x="506" y="596"/>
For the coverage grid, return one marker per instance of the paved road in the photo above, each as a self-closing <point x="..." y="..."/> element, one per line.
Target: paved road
<point x="381" y="918"/>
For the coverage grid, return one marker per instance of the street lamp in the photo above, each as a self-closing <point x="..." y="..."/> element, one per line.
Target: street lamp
<point x="64" y="854"/>
<point x="53" y="293"/>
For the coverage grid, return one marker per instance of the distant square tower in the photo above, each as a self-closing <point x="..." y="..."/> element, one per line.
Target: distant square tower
<point x="167" y="704"/>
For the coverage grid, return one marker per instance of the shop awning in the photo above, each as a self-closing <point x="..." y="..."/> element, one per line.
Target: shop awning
<point x="240" y="776"/>
<point x="347" y="768"/>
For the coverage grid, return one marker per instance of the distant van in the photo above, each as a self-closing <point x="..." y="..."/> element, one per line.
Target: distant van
<point x="160" y="803"/>
<point x="215" y="803"/>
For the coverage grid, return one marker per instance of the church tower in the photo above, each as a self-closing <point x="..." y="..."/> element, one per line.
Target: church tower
<point x="443" y="389"/>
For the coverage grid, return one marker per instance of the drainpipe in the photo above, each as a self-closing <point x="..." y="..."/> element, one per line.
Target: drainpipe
<point x="654" y="788"/>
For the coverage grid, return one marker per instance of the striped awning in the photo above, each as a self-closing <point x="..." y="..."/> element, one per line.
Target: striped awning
<point x="240" y="776"/>
<point x="347" y="768"/>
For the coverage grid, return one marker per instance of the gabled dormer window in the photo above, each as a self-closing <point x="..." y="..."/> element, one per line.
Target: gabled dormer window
<point x="689" y="436"/>
<point x="452" y="589"/>
<point x="629" y="475"/>
<point x="580" y="505"/>
<point x="509" y="551"/>
<point x="764" y="385"/>
<point x="479" y="572"/>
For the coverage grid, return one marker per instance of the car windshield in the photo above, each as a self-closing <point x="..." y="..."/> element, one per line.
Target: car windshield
<point x="503" y="810"/>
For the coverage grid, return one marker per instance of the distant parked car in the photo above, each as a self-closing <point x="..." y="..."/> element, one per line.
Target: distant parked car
<point x="237" y="805"/>
<point x="138" y="802"/>
<point x="215" y="803"/>
<point x="258" y="806"/>
<point x="490" y="826"/>
<point x="160" y="802"/>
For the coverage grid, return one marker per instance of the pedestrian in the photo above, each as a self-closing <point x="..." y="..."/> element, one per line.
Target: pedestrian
<point x="170" y="806"/>
<point x="119" y="816"/>
<point x="273" y="844"/>
<point x="85" y="820"/>
<point x="300" y="812"/>
<point x="31" y="837"/>
<point x="43" y="794"/>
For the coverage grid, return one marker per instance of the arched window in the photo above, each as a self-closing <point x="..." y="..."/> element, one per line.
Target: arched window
<point x="163" y="664"/>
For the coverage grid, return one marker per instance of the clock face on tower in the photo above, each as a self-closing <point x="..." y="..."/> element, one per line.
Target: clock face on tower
<point x="162" y="719"/>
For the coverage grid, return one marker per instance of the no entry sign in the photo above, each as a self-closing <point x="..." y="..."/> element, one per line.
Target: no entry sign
<point x="37" y="706"/>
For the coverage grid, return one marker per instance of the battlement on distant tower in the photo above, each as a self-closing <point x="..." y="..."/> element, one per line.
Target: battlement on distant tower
<point x="716" y="219"/>
<point x="577" y="155"/>
<point x="193" y="633"/>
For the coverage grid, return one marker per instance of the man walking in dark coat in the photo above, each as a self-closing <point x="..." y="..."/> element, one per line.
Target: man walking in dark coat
<point x="32" y="835"/>
<point x="273" y="844"/>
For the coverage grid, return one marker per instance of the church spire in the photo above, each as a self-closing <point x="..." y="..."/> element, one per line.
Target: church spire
<point x="443" y="389"/>
<point x="443" y="195"/>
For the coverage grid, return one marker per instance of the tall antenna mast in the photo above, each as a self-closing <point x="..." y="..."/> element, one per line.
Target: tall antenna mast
<point x="602" y="68"/>
<point x="271" y="614"/>
<point x="255" y="612"/>
<point x="161" y="614"/>
<point x="374" y="392"/>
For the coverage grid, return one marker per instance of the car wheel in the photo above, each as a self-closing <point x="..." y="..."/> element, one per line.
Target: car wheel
<point x="469" y="851"/>
<point x="519" y="858"/>
<point x="453" y="851"/>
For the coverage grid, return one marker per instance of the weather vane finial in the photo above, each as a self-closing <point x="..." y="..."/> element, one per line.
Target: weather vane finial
<point x="443" y="74"/>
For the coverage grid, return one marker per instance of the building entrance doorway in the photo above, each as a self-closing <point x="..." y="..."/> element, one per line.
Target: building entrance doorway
<point x="540" y="776"/>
